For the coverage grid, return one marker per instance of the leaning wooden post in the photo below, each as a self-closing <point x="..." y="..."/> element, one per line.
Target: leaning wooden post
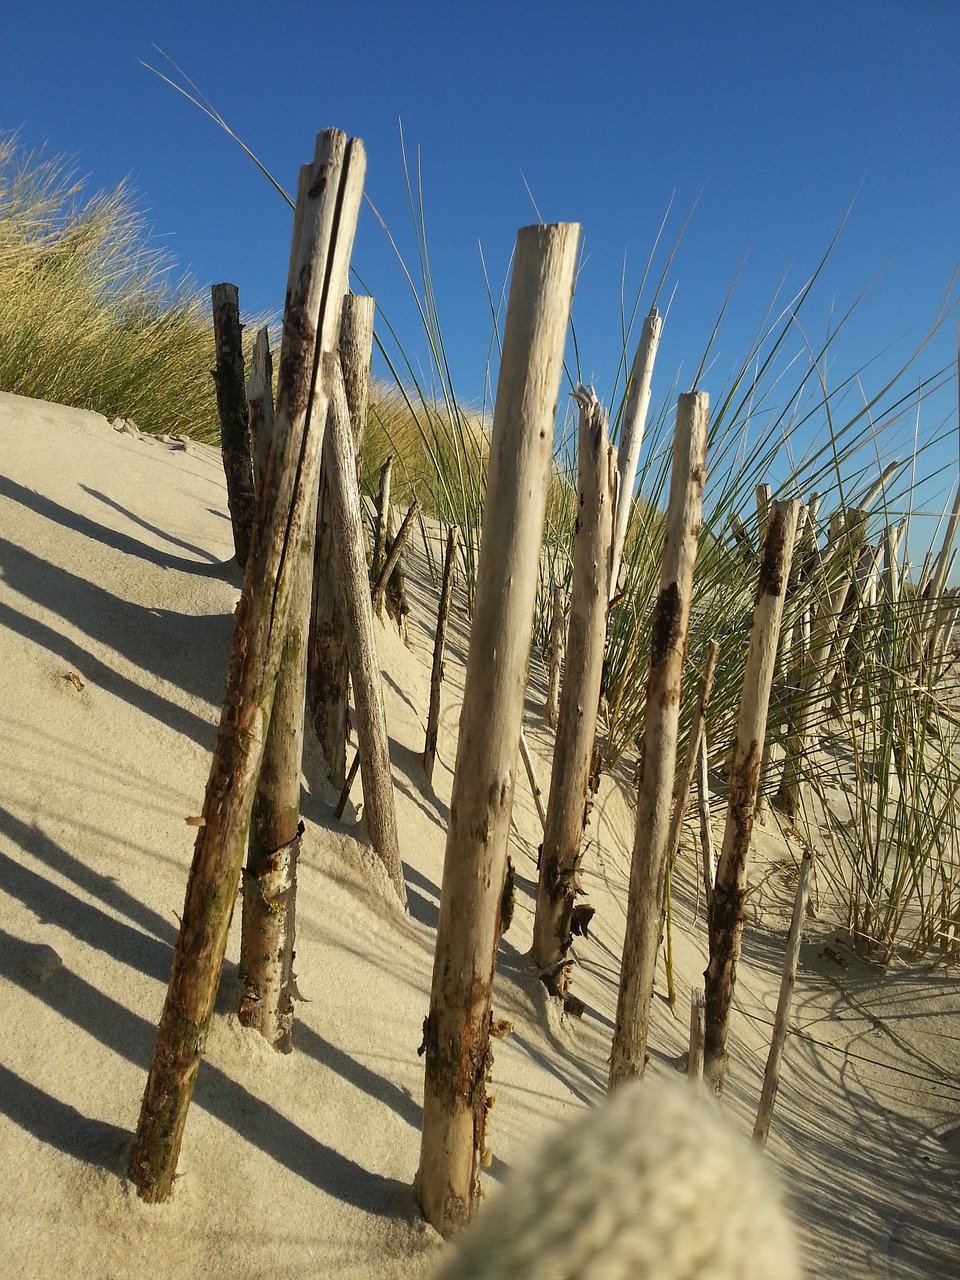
<point x="260" y="409"/>
<point x="436" y="674"/>
<point x="556" y="657"/>
<point x="531" y="772"/>
<point x="372" y="742"/>
<point x="456" y="1031"/>
<point x="726" y="908"/>
<point x="328" y="672"/>
<point x="311" y="319"/>
<point x="393" y="555"/>
<point x="232" y="407"/>
<point x="668" y="644"/>
<point x="580" y="698"/>
<point x="703" y="810"/>
<point x="634" y="422"/>
<point x="771" y="1075"/>
<point x="380" y="530"/>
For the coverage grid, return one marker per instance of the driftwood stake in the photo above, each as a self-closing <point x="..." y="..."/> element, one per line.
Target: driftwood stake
<point x="380" y="529"/>
<point x="631" y="433"/>
<point x="232" y="408"/>
<point x="771" y="1076"/>
<point x="695" y="1054"/>
<point x="726" y="909"/>
<point x="669" y="641"/>
<point x="260" y="405"/>
<point x="456" y="1043"/>
<point x="535" y="788"/>
<point x="311" y="321"/>
<point x="328" y="671"/>
<point x="706" y="830"/>
<point x="436" y="674"/>
<point x="372" y="742"/>
<point x="580" y="698"/>
<point x="393" y="555"/>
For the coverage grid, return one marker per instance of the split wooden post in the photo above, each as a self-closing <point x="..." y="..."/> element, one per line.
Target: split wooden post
<point x="556" y="657"/>
<point x="372" y="742"/>
<point x="311" y="321"/>
<point x="671" y="615"/>
<point x="726" y="909"/>
<point x="260" y="409"/>
<point x="580" y="698"/>
<point x="436" y="674"/>
<point x="695" y="1053"/>
<point x="328" y="670"/>
<point x="232" y="407"/>
<point x="771" y="1075"/>
<point x="456" y="1032"/>
<point x="634" y="423"/>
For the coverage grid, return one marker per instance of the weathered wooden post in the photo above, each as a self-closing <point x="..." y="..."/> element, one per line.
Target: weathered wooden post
<point x="634" y="423"/>
<point x="456" y="1031"/>
<point x="311" y="320"/>
<point x="328" y="672"/>
<point x="440" y="638"/>
<point x="373" y="746"/>
<point x="260" y="409"/>
<point x="671" y="615"/>
<point x="726" y="908"/>
<point x="771" y="1075"/>
<point x="695" y="1053"/>
<point x="580" y="698"/>
<point x="232" y="408"/>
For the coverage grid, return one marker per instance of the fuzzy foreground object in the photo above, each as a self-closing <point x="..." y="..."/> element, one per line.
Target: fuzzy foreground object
<point x="652" y="1183"/>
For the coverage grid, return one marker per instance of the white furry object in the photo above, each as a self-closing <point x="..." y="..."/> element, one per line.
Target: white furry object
<point x="652" y="1183"/>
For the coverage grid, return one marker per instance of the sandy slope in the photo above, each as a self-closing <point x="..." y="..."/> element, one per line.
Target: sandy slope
<point x="114" y="569"/>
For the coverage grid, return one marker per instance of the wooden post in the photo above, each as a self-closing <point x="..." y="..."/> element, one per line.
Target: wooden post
<point x="763" y="511"/>
<point x="726" y="910"/>
<point x="456" y="1032"/>
<point x="771" y="1075"/>
<point x="436" y="674"/>
<point x="328" y="671"/>
<point x="695" y="1054"/>
<point x="556" y="657"/>
<point x="393" y="555"/>
<point x="580" y="698"/>
<point x="694" y="740"/>
<point x="260" y="406"/>
<point x="706" y="831"/>
<point x="232" y="408"/>
<point x="372" y="743"/>
<point x="668" y="644"/>
<point x="634" y="423"/>
<point x="311" y="321"/>
<point x="380" y="529"/>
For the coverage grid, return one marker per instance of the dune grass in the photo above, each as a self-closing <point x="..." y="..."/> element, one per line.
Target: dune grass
<point x="92" y="315"/>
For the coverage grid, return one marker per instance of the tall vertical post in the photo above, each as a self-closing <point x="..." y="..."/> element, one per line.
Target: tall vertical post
<point x="456" y="1037"/>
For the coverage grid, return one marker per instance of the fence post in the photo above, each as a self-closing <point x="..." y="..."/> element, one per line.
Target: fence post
<point x="456" y="1032"/>
<point x="671" y="615"/>
<point x="232" y="408"/>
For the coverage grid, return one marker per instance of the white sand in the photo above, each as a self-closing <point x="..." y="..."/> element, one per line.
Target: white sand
<point x="115" y="569"/>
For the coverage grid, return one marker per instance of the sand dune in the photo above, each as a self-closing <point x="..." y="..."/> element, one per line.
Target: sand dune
<point x="116" y="599"/>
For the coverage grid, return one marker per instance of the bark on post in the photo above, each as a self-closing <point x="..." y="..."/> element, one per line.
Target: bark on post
<point x="706" y="831"/>
<point x="729" y="892"/>
<point x="668" y="644"/>
<point x="372" y="743"/>
<point x="635" y="411"/>
<point x="328" y="670"/>
<point x="771" y="1075"/>
<point x="580" y="698"/>
<point x="456" y="1032"/>
<point x="556" y="657"/>
<point x="436" y="674"/>
<point x="232" y="407"/>
<point x="311" y="320"/>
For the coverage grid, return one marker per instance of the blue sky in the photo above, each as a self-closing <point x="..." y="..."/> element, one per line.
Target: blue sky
<point x="780" y="113"/>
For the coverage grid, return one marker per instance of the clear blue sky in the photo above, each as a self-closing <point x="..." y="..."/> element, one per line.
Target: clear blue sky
<point x="782" y="112"/>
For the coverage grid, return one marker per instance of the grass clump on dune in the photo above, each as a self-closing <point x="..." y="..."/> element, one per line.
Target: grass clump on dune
<point x="90" y="314"/>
